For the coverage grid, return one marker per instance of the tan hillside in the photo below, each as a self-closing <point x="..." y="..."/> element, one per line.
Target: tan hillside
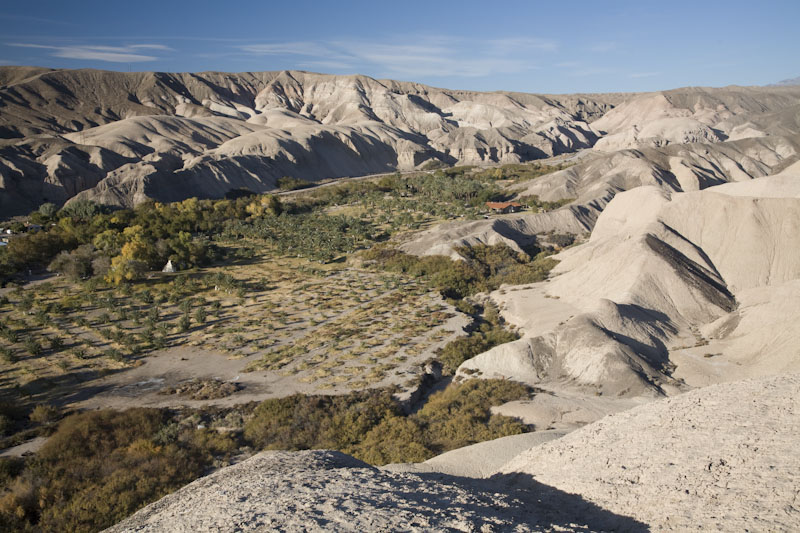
<point x="120" y="138"/>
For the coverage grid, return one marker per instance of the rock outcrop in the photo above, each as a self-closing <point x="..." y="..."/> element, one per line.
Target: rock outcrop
<point x="672" y="289"/>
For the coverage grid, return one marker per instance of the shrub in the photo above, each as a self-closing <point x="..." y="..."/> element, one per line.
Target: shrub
<point x="101" y="466"/>
<point x="288" y="183"/>
<point x="463" y="348"/>
<point x="44" y="414"/>
<point x="183" y="323"/>
<point x="460" y="415"/>
<point x="7" y="355"/>
<point x="484" y="268"/>
<point x="371" y="426"/>
<point x="76" y="264"/>
<point x="9" y="334"/>
<point x="32" y="346"/>
<point x="56" y="344"/>
<point x="305" y="422"/>
<point x="397" y="439"/>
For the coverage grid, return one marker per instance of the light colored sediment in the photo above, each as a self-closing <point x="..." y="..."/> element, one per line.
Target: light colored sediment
<point x="665" y="279"/>
<point x="720" y="458"/>
<point x="121" y="138"/>
<point x="330" y="491"/>
<point x="481" y="459"/>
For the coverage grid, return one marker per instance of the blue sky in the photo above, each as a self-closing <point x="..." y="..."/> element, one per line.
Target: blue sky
<point x="542" y="47"/>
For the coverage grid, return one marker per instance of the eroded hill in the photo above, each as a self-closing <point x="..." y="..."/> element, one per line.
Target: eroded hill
<point x="121" y="138"/>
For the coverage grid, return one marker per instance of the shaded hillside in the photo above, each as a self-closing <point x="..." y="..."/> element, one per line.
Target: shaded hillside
<point x="120" y="138"/>
<point x="125" y="137"/>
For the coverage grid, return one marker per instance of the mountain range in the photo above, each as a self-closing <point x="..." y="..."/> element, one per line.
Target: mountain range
<point x="122" y="138"/>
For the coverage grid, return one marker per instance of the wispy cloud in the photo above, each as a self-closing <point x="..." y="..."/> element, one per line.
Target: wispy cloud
<point x="602" y="47"/>
<point x="522" y="44"/>
<point x="113" y="54"/>
<point x="644" y="74"/>
<point x="301" y="48"/>
<point x="427" y="56"/>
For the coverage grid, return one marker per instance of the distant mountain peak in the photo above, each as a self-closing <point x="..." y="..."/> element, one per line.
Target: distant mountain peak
<point x="790" y="81"/>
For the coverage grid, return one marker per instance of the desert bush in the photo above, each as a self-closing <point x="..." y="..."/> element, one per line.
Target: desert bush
<point x="25" y="302"/>
<point x="44" y="414"/>
<point x="397" y="439"/>
<point x="305" y="422"/>
<point x="101" y="466"/>
<point x="459" y="350"/>
<point x="32" y="346"/>
<point x="186" y="305"/>
<point x="160" y="342"/>
<point x="9" y="334"/>
<point x="534" y="202"/>
<point x="78" y="352"/>
<point x="42" y="317"/>
<point x="484" y="268"/>
<point x="288" y="183"/>
<point x="460" y="415"/>
<point x="7" y="355"/>
<point x="56" y="344"/>
<point x="371" y="426"/>
<point x="184" y="323"/>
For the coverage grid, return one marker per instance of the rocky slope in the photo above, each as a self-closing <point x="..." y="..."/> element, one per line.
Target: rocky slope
<point x="718" y="458"/>
<point x="122" y="138"/>
<point x="703" y="280"/>
<point x="125" y="137"/>
<point x="682" y="140"/>
<point x="330" y="491"/>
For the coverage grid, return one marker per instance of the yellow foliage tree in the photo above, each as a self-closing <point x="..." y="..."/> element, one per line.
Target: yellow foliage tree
<point x="133" y="259"/>
<point x="267" y="204"/>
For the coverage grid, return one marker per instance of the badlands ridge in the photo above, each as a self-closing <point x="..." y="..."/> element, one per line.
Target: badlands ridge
<point x="121" y="138"/>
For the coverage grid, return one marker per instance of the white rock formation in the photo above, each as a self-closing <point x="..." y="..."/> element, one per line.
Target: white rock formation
<point x="122" y="138"/>
<point x="706" y="280"/>
<point x="720" y="458"/>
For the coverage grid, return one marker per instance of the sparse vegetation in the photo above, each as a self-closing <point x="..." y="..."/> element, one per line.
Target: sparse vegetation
<point x="485" y="268"/>
<point x="488" y="334"/>
<point x="533" y="202"/>
<point x="284" y="294"/>
<point x="371" y="426"/>
<point x="100" y="466"/>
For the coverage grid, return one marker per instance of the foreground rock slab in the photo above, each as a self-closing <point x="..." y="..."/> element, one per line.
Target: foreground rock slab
<point x="330" y="491"/>
<point x="721" y="458"/>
